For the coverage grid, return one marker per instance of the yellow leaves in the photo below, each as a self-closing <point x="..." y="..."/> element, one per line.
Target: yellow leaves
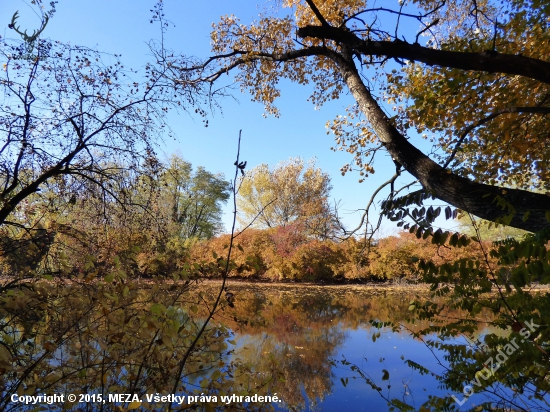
<point x="96" y="348"/>
<point x="260" y="47"/>
<point x="111" y="297"/>
<point x="282" y="195"/>
<point x="6" y="338"/>
<point x="5" y="357"/>
<point x="450" y="101"/>
<point x="333" y="11"/>
<point x="157" y="309"/>
<point x="267" y="35"/>
<point x="216" y="374"/>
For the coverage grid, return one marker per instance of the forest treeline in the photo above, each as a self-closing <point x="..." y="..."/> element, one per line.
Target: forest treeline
<point x="144" y="224"/>
<point x="166" y="216"/>
<point x="284" y="253"/>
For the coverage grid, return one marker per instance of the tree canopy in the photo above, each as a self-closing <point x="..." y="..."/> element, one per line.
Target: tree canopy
<point x="195" y="198"/>
<point x="474" y="75"/>
<point x="70" y="115"/>
<point x="289" y="193"/>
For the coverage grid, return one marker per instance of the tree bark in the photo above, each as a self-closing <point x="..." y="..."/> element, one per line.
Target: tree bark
<point x="489" y="202"/>
<point x="484" y="201"/>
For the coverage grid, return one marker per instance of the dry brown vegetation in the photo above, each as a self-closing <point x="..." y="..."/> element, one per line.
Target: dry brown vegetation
<point x="287" y="254"/>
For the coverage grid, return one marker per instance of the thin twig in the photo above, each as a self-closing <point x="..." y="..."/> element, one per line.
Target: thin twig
<point x="224" y="280"/>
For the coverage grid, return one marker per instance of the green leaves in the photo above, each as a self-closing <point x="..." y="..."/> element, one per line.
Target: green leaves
<point x="157" y="309"/>
<point x="399" y="210"/>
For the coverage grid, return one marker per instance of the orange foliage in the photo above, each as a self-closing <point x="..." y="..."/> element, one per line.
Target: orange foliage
<point x="287" y="254"/>
<point x="396" y="256"/>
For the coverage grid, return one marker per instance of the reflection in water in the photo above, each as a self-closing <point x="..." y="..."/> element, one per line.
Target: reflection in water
<point x="312" y="346"/>
<point x="100" y="339"/>
<point x="304" y="333"/>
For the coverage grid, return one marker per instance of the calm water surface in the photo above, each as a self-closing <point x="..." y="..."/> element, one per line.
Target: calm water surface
<point x="307" y="331"/>
<point x="314" y="346"/>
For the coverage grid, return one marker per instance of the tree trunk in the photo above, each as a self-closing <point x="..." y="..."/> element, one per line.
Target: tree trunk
<point x="479" y="199"/>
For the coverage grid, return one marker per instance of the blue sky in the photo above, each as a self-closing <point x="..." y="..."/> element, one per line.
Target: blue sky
<point x="122" y="27"/>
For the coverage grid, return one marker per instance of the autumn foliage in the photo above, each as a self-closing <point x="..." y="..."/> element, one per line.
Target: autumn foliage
<point x="287" y="254"/>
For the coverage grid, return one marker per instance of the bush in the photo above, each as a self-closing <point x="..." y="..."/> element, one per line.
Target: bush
<point x="287" y="254"/>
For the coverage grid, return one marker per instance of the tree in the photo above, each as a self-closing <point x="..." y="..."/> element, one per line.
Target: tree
<point x="156" y="211"/>
<point x="76" y="126"/>
<point x="479" y="85"/>
<point x="477" y="48"/>
<point x="70" y="114"/>
<point x="195" y="198"/>
<point x="287" y="194"/>
<point x="488" y="231"/>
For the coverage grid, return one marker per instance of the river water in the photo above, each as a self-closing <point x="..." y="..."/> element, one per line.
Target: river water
<point x="318" y="348"/>
<point x="330" y="355"/>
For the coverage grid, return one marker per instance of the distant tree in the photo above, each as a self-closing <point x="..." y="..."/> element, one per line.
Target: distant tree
<point x="156" y="210"/>
<point x="290" y="193"/>
<point x="195" y="198"/>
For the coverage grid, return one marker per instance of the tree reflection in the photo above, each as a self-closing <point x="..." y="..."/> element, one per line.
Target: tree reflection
<point x="100" y="338"/>
<point x="291" y="335"/>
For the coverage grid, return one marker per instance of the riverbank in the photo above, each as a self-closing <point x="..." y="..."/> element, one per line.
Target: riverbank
<point x="389" y="285"/>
